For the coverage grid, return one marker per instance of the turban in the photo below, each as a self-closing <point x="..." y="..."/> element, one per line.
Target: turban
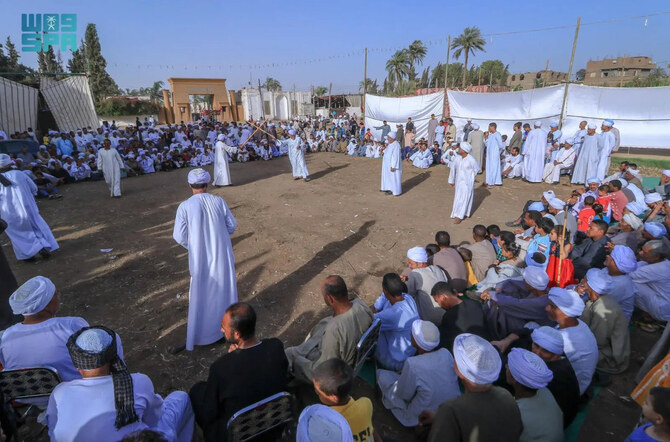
<point x="220" y="137"/>
<point x="549" y="194"/>
<point x="593" y="180"/>
<point x="320" y="423"/>
<point x="666" y="172"/>
<point x="465" y="147"/>
<point x="568" y="301"/>
<point x="553" y="124"/>
<point x="528" y="369"/>
<point x="633" y="172"/>
<point x="600" y="281"/>
<point x="291" y="132"/>
<point x="5" y="160"/>
<point x="653" y="197"/>
<point x="392" y="135"/>
<point x="623" y="182"/>
<point x="632" y="221"/>
<point x="198" y="176"/>
<point x="425" y="334"/>
<point x="538" y="123"/>
<point x="607" y="123"/>
<point x="609" y="120"/>
<point x="548" y="338"/>
<point x="417" y="254"/>
<point x="475" y="126"/>
<point x="537" y="206"/>
<point x="94" y="347"/>
<point x="657" y="230"/>
<point x="592" y="126"/>
<point x="624" y="258"/>
<point x="556" y="203"/>
<point x="536" y="277"/>
<point x="33" y="296"/>
<point x="569" y="141"/>
<point x="476" y="359"/>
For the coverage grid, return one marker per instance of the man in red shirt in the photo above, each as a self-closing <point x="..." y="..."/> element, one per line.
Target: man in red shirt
<point x="618" y="200"/>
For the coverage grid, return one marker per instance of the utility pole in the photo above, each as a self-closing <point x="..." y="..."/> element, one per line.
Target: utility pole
<point x="365" y="80"/>
<point x="446" y="76"/>
<point x="260" y="93"/>
<point x="294" y="103"/>
<point x="330" y="97"/>
<point x="567" y="84"/>
<point x="623" y="71"/>
<point x="546" y="74"/>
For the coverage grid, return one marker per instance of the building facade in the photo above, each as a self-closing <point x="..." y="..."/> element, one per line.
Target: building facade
<point x="531" y="80"/>
<point x="617" y="71"/>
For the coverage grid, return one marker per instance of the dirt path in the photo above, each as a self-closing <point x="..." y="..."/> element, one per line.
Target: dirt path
<point x="291" y="234"/>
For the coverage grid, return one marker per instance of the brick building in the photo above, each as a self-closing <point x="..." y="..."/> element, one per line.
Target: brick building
<point x="617" y="71"/>
<point x="527" y="79"/>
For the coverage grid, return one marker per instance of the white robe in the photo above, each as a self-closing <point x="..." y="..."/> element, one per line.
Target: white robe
<point x="25" y="227"/>
<point x="463" y="174"/>
<point x="652" y="282"/>
<point x="606" y="145"/>
<point x="392" y="159"/>
<point x="221" y="170"/>
<point x="552" y="172"/>
<point x="203" y="226"/>
<point x="586" y="165"/>
<point x="110" y="163"/>
<point x="426" y="382"/>
<point x="534" y="150"/>
<point x="516" y="163"/>
<point x="83" y="410"/>
<point x="296" y="156"/>
<point x="494" y="145"/>
<point x="422" y="159"/>
<point x="578" y="138"/>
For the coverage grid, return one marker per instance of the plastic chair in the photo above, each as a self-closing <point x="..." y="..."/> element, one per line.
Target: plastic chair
<point x="366" y="345"/>
<point x="261" y="417"/>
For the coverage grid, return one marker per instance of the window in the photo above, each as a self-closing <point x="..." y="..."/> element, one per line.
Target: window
<point x="266" y="107"/>
<point x="513" y="77"/>
<point x="592" y="75"/>
<point x="538" y="75"/>
<point x="521" y="77"/>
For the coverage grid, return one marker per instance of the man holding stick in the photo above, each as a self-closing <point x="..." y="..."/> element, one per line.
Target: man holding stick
<point x="296" y="156"/>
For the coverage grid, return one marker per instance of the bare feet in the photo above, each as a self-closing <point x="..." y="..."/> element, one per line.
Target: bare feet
<point x="457" y="220"/>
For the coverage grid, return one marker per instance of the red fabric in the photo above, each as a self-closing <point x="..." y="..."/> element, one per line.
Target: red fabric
<point x="567" y="272"/>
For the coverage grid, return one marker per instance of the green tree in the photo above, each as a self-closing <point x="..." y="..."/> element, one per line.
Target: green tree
<point x="320" y="91"/>
<point x="416" y="52"/>
<point x="47" y="61"/>
<point x="424" y="81"/>
<point x="77" y="64"/>
<point x="101" y="82"/>
<point x="454" y="78"/>
<point x="271" y="84"/>
<point x="12" y="56"/>
<point x="494" y="72"/>
<point x="580" y="75"/>
<point x="398" y="67"/>
<point x="371" y="86"/>
<point x="467" y="43"/>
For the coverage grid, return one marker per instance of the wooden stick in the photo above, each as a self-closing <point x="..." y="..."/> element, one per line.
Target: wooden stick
<point x="248" y="139"/>
<point x="560" y="246"/>
<point x="258" y="128"/>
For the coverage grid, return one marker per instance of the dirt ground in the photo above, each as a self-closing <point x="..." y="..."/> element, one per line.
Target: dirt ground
<point x="290" y="235"/>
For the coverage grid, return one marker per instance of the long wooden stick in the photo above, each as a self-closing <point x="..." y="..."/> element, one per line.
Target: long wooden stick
<point x="249" y="139"/>
<point x="560" y="245"/>
<point x="258" y="128"/>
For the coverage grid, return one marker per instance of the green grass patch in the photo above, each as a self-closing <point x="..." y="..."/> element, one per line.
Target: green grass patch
<point x="643" y="162"/>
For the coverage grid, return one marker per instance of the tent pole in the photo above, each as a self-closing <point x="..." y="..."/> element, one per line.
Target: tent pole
<point x="567" y="84"/>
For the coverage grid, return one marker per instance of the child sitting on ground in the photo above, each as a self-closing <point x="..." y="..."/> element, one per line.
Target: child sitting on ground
<point x="333" y="381"/>
<point x="656" y="413"/>
<point x="604" y="199"/>
<point x="586" y="214"/>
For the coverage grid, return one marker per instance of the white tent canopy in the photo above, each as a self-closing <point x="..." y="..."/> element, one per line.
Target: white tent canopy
<point x="396" y="111"/>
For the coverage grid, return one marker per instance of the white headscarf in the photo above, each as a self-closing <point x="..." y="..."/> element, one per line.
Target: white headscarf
<point x="536" y="277"/>
<point x="319" y="423"/>
<point x="568" y="301"/>
<point x="600" y="281"/>
<point x="624" y="258"/>
<point x="417" y="254"/>
<point x="425" y="334"/>
<point x="198" y="176"/>
<point x="548" y="338"/>
<point x="528" y="369"/>
<point x="33" y="296"/>
<point x="476" y="359"/>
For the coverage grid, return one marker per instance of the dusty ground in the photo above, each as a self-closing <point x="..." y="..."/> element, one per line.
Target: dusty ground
<point x="291" y="235"/>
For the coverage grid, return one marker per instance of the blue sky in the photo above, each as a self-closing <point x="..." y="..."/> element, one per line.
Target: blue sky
<point x="140" y="38"/>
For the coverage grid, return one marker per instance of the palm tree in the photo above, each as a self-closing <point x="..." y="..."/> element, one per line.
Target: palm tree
<point x="155" y="91"/>
<point x="416" y="52"/>
<point x="370" y="86"/>
<point x="398" y="67"/>
<point x="271" y="84"/>
<point x="320" y="91"/>
<point x="467" y="43"/>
